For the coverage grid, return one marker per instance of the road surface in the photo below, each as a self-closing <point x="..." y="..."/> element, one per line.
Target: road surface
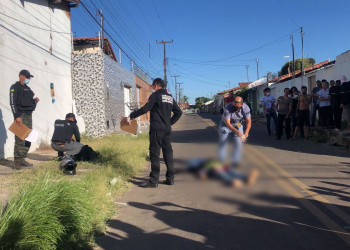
<point x="300" y="201"/>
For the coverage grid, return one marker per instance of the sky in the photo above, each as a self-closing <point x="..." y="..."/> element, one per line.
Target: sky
<point x="214" y="41"/>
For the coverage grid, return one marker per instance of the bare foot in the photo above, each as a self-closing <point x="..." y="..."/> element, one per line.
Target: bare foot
<point x="254" y="174"/>
<point x="236" y="183"/>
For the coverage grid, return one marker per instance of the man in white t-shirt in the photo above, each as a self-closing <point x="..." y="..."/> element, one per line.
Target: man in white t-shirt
<point x="268" y="103"/>
<point x="325" y="104"/>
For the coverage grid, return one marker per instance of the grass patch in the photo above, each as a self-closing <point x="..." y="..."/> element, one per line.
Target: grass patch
<point x="50" y="210"/>
<point x="319" y="138"/>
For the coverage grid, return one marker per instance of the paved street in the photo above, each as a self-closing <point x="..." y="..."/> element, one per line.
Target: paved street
<point x="300" y="201"/>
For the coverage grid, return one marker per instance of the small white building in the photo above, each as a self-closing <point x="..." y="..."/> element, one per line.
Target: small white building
<point x="36" y="35"/>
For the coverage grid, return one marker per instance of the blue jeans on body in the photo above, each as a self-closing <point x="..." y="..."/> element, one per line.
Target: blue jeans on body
<point x="230" y="174"/>
<point x="224" y="134"/>
<point x="268" y="116"/>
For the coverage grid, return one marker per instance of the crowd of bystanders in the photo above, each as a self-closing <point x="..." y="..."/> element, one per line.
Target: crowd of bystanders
<point x="328" y="103"/>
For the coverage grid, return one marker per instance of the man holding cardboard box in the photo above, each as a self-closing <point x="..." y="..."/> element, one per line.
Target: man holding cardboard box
<point x="161" y="104"/>
<point x="23" y="104"/>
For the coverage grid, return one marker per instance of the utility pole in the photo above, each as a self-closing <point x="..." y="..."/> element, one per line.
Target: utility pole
<point x="179" y="88"/>
<point x="229" y="84"/>
<point x="176" y="87"/>
<point x="293" y="65"/>
<point x="165" y="42"/>
<point x="247" y="66"/>
<point x="302" y="56"/>
<point x="257" y="67"/>
<point x="102" y="35"/>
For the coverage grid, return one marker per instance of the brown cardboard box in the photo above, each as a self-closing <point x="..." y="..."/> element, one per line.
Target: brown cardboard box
<point x="20" y="131"/>
<point x="130" y="128"/>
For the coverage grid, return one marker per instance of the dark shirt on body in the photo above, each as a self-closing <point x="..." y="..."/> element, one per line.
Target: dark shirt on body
<point x="64" y="130"/>
<point x="160" y="104"/>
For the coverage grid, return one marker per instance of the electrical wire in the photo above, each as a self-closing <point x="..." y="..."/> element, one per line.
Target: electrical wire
<point x="112" y="39"/>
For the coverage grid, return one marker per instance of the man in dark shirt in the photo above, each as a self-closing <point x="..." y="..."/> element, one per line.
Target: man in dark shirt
<point x="23" y="104"/>
<point x="345" y="98"/>
<point x="161" y="104"/>
<point x="334" y="92"/>
<point x="62" y="136"/>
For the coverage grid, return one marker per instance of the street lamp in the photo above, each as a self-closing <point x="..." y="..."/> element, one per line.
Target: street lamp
<point x="288" y="64"/>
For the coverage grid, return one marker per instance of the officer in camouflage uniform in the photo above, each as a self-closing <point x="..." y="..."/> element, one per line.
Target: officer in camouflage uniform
<point x="23" y="104"/>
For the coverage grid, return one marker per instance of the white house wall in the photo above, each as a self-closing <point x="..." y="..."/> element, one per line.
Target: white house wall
<point x="25" y="43"/>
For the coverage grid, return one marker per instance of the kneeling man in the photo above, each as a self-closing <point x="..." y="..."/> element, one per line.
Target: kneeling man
<point x="62" y="136"/>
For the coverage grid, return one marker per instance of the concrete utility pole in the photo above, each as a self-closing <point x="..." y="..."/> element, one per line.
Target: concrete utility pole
<point x="176" y="87"/>
<point x="257" y="67"/>
<point x="179" y="88"/>
<point x="293" y="65"/>
<point x="102" y="35"/>
<point x="247" y="66"/>
<point x="165" y="42"/>
<point x="302" y="56"/>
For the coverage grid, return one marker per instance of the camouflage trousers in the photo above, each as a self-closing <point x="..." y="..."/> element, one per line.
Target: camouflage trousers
<point x="22" y="147"/>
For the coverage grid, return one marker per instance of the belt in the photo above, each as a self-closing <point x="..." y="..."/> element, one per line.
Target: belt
<point x="58" y="143"/>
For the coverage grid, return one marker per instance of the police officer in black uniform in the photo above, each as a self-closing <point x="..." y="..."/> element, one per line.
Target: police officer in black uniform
<point x="62" y="136"/>
<point x="161" y="104"/>
<point x="23" y="104"/>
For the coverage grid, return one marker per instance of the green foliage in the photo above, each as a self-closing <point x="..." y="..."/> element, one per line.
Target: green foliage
<point x="184" y="99"/>
<point x="200" y="100"/>
<point x="54" y="211"/>
<point x="243" y="92"/>
<point x="298" y="65"/>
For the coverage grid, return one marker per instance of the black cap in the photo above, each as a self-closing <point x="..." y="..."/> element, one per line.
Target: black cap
<point x="69" y="115"/>
<point x="25" y="73"/>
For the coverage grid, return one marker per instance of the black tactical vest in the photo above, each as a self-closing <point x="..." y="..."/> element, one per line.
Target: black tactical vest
<point x="25" y="99"/>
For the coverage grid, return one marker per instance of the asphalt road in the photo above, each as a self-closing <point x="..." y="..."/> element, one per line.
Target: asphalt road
<point x="300" y="201"/>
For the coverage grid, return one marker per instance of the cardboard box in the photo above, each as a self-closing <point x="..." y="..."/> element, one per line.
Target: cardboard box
<point x="130" y="128"/>
<point x="21" y="131"/>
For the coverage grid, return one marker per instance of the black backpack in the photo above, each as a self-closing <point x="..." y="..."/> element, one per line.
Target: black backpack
<point x="86" y="154"/>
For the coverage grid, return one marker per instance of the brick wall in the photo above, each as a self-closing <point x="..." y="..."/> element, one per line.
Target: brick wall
<point x="145" y="92"/>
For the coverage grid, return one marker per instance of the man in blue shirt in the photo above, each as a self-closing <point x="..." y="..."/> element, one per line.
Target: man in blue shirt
<point x="234" y="115"/>
<point x="268" y="103"/>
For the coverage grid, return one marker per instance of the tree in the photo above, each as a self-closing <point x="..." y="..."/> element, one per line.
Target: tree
<point x="307" y="62"/>
<point x="200" y="100"/>
<point x="184" y="99"/>
<point x="271" y="75"/>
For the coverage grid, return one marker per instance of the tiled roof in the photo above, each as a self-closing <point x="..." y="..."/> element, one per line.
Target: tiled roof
<point x="107" y="45"/>
<point x="287" y="77"/>
<point x="243" y="84"/>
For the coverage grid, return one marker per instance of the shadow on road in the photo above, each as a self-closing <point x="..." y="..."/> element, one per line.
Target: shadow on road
<point x="210" y="230"/>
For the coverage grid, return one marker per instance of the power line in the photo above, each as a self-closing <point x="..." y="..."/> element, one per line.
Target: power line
<point x="82" y="3"/>
<point x="252" y="50"/>
<point x="287" y="12"/>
